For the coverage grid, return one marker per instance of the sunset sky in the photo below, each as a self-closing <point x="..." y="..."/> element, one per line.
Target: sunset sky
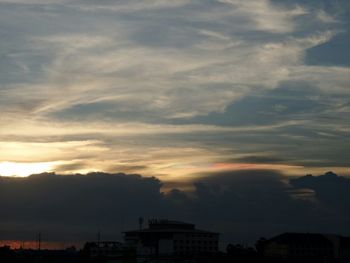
<point x="173" y="89"/>
<point x="181" y="90"/>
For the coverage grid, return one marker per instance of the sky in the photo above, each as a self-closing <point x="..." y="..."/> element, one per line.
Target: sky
<point x="181" y="92"/>
<point x="174" y="89"/>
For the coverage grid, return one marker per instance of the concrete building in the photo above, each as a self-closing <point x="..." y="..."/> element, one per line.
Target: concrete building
<point x="171" y="239"/>
<point x="106" y="250"/>
<point x="307" y="247"/>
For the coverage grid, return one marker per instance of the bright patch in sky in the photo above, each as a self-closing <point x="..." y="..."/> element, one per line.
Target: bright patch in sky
<point x="24" y="169"/>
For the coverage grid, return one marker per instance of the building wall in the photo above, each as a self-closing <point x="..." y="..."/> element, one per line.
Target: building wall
<point x="275" y="250"/>
<point x="175" y="243"/>
<point x="195" y="243"/>
<point x="297" y="249"/>
<point x="166" y="247"/>
<point x="104" y="249"/>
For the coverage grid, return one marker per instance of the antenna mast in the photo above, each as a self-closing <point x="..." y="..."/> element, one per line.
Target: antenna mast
<point x="39" y="241"/>
<point x="141" y="222"/>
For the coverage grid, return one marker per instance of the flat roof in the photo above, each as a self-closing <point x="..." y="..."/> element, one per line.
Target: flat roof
<point x="171" y="230"/>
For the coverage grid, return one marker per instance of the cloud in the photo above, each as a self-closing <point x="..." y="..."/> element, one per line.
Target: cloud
<point x="260" y="159"/>
<point x="242" y="205"/>
<point x="126" y="6"/>
<point x="266" y="16"/>
<point x="228" y="78"/>
<point x="32" y="2"/>
<point x="57" y="203"/>
<point x="166" y="70"/>
<point x="330" y="189"/>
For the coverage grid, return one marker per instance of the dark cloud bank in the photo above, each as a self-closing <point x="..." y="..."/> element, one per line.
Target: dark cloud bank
<point x="242" y="205"/>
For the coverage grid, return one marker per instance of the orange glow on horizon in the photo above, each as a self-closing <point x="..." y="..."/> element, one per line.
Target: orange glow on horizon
<point x="32" y="244"/>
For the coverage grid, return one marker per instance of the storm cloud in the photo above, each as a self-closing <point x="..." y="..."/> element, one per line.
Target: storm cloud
<point x="241" y="205"/>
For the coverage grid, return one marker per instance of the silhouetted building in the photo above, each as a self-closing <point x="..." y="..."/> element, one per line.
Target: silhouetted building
<point x="238" y="253"/>
<point x="171" y="239"/>
<point x="6" y="255"/>
<point x="300" y="247"/>
<point x="344" y="251"/>
<point x="108" y="249"/>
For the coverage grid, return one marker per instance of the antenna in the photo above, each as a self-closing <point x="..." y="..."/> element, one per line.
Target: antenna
<point x="98" y="237"/>
<point x="141" y="222"/>
<point x="121" y="225"/>
<point x="39" y="241"/>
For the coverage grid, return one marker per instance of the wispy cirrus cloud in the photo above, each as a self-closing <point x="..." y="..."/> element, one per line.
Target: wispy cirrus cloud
<point x="171" y="73"/>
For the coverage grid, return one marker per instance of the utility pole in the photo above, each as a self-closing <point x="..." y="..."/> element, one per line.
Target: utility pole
<point x="98" y="237"/>
<point x="39" y="241"/>
<point x="141" y="222"/>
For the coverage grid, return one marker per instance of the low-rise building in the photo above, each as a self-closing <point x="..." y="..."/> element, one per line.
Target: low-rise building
<point x="302" y="247"/>
<point x="108" y="251"/>
<point x="171" y="239"/>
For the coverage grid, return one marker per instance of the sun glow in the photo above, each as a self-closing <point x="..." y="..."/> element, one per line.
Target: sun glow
<point x="24" y="169"/>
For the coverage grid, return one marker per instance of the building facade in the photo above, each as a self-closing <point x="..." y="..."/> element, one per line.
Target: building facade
<point x="171" y="239"/>
<point x="104" y="250"/>
<point x="303" y="247"/>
